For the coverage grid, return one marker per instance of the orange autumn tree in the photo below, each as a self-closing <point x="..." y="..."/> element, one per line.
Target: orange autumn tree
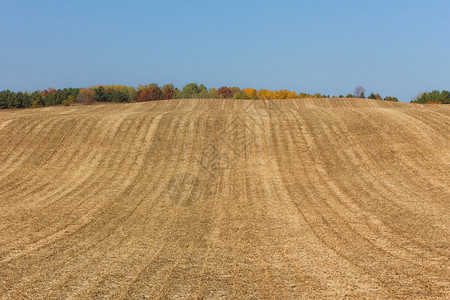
<point x="265" y="94"/>
<point x="168" y="91"/>
<point x="149" y="93"/>
<point x="251" y="93"/>
<point x="280" y="94"/>
<point x="284" y="94"/>
<point x="292" y="95"/>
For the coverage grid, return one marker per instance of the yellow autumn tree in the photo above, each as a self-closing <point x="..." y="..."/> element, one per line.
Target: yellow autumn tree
<point x="251" y="93"/>
<point x="264" y="94"/>
<point x="292" y="95"/>
<point x="86" y="96"/>
<point x="280" y="94"/>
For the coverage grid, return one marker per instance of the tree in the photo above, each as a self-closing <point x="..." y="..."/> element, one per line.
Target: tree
<point x="5" y="99"/>
<point x="359" y="92"/>
<point x="149" y="92"/>
<point x="291" y="95"/>
<point x="303" y="95"/>
<point x="225" y="92"/>
<point x="100" y="95"/>
<point x="262" y="94"/>
<point x="114" y="93"/>
<point x="86" y="96"/>
<point x="433" y="96"/>
<point x="240" y="95"/>
<point x="282" y="94"/>
<point x="375" y="96"/>
<point x="193" y="90"/>
<point x="117" y="96"/>
<point x="391" y="99"/>
<point x="176" y="94"/>
<point x="234" y="90"/>
<point x="36" y="99"/>
<point x="44" y="93"/>
<point x="265" y="94"/>
<point x="70" y="99"/>
<point x="203" y="94"/>
<point x="251" y="93"/>
<point x="445" y="97"/>
<point x="131" y="91"/>
<point x="213" y="94"/>
<point x="168" y="90"/>
<point x="25" y="100"/>
<point x="51" y="98"/>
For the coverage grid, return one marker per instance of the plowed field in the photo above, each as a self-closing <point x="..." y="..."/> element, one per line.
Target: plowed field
<point x="207" y="199"/>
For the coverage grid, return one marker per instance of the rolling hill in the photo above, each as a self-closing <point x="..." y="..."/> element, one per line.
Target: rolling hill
<point x="286" y="199"/>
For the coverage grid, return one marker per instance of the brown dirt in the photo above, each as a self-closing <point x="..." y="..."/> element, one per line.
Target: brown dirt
<point x="212" y="199"/>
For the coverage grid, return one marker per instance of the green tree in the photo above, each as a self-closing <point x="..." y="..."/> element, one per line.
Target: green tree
<point x="69" y="100"/>
<point x="176" y="94"/>
<point x="51" y="98"/>
<point x="445" y="97"/>
<point x="433" y="96"/>
<point x="36" y="99"/>
<point x="100" y="94"/>
<point x="5" y="99"/>
<point x="375" y="96"/>
<point x="117" y="96"/>
<point x="240" y="95"/>
<point x="391" y="99"/>
<point x="192" y="90"/>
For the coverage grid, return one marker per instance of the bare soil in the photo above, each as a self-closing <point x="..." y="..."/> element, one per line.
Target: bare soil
<point x="210" y="199"/>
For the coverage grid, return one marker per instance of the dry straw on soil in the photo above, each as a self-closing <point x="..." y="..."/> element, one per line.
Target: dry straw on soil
<point x="226" y="199"/>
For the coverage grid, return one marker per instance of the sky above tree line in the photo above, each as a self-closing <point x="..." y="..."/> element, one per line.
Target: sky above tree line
<point x="395" y="48"/>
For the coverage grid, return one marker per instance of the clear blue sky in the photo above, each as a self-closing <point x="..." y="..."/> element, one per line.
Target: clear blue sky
<point x="397" y="48"/>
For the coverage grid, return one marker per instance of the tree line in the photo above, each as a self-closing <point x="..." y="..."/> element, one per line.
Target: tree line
<point x="433" y="97"/>
<point x="151" y="92"/>
<point x="48" y="97"/>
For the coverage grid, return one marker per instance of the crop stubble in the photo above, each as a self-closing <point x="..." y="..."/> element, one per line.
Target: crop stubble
<point x="225" y="199"/>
